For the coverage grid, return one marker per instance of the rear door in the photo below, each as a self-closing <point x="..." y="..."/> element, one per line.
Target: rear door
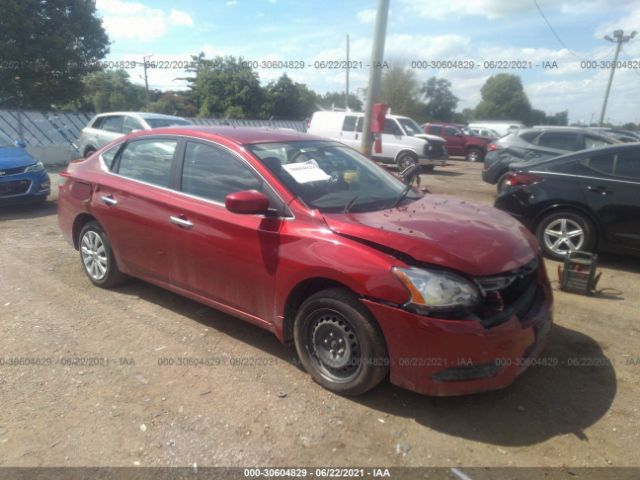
<point x="611" y="186"/>
<point x="134" y="205"/>
<point x="348" y="134"/>
<point x="455" y="141"/>
<point x="225" y="257"/>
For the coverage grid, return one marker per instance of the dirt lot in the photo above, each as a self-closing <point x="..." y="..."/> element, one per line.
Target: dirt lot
<point x="257" y="407"/>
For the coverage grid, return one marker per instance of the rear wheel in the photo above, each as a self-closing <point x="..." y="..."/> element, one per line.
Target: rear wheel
<point x="474" y="155"/>
<point x="97" y="257"/>
<point x="89" y="151"/>
<point x="565" y="231"/>
<point x="502" y="182"/>
<point x="339" y="343"/>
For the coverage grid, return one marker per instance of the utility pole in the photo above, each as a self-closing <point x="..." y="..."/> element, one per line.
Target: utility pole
<point x="618" y="37"/>
<point x="375" y="74"/>
<point x="146" y="80"/>
<point x="346" y="90"/>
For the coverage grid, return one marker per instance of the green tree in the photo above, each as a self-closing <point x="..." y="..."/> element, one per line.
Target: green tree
<point x="47" y="47"/>
<point x="401" y="92"/>
<point x="174" y="103"/>
<point x="441" y="102"/>
<point x="224" y="82"/>
<point x="111" y="90"/>
<point x="503" y="98"/>
<point x="288" y="100"/>
<point x="336" y="99"/>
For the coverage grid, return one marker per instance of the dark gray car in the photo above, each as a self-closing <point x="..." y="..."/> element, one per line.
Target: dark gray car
<point x="536" y="144"/>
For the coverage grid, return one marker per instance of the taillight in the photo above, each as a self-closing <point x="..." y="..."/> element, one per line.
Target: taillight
<point x="515" y="179"/>
<point x="492" y="146"/>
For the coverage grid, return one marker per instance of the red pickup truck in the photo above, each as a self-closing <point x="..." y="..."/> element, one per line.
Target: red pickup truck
<point x="472" y="147"/>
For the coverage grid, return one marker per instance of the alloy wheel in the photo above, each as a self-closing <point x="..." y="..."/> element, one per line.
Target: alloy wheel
<point x="563" y="235"/>
<point x="94" y="255"/>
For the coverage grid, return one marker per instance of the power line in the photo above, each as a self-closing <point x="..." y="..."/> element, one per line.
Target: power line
<point x="555" y="34"/>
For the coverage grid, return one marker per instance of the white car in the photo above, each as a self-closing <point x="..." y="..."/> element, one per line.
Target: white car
<point x="106" y="127"/>
<point x="404" y="143"/>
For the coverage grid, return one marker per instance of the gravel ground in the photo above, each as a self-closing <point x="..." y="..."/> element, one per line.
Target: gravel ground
<point x="254" y="406"/>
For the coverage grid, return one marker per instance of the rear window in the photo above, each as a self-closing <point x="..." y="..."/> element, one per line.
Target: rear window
<point x="529" y="136"/>
<point x="435" y="130"/>
<point x="558" y="140"/>
<point x="600" y="163"/>
<point x="112" y="124"/>
<point x="349" y="124"/>
<point x="149" y="161"/>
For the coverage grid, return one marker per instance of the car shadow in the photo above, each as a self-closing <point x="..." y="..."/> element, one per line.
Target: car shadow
<point x="546" y="401"/>
<point x="442" y="173"/>
<point x="626" y="263"/>
<point x="21" y="211"/>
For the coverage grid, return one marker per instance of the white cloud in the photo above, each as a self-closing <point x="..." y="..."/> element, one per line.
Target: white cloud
<point x="231" y="3"/>
<point x="491" y="9"/>
<point x="136" y="21"/>
<point x="366" y="16"/>
<point x="178" y="17"/>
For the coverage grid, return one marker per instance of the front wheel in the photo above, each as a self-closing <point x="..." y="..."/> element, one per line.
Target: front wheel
<point x="339" y="343"/>
<point x="406" y="160"/>
<point x="97" y="257"/>
<point x="565" y="231"/>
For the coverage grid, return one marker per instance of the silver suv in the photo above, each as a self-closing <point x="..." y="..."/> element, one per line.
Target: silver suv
<point x="106" y="127"/>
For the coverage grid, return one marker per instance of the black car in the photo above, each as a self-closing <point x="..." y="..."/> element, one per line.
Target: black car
<point x="536" y="144"/>
<point x="587" y="201"/>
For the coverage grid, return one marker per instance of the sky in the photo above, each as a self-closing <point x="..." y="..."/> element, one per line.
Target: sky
<point x="569" y="42"/>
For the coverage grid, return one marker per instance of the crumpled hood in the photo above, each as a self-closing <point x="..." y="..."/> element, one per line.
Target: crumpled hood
<point x="14" y="157"/>
<point x="432" y="138"/>
<point x="446" y="231"/>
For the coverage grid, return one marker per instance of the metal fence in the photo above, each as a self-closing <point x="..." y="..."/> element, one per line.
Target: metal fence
<point x="59" y="131"/>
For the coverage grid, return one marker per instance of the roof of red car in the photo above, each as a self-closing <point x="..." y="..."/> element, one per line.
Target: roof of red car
<point x="239" y="135"/>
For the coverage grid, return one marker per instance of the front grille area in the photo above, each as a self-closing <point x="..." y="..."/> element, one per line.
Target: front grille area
<point x="434" y="149"/>
<point x="17" y="187"/>
<point x="11" y="171"/>
<point x="515" y="292"/>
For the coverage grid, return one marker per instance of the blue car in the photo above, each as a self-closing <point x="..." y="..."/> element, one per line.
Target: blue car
<point x="22" y="179"/>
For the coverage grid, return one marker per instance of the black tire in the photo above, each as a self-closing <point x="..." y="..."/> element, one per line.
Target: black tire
<point x="474" y="155"/>
<point x="502" y="182"/>
<point x="571" y="221"/>
<point x="428" y="168"/>
<point x="89" y="151"/>
<point x="335" y="318"/>
<point x="406" y="160"/>
<point x="87" y="242"/>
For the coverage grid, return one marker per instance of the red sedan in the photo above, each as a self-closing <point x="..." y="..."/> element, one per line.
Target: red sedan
<point x="307" y="238"/>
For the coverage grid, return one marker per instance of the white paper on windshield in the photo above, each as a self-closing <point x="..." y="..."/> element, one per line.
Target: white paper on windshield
<point x="305" y="172"/>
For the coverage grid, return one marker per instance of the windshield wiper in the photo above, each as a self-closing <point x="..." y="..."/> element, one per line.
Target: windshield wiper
<point x="347" y="208"/>
<point x="402" y="196"/>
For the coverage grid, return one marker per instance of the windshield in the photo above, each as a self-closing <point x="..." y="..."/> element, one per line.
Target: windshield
<point x="5" y="141"/>
<point x="165" y="122"/>
<point x="410" y="126"/>
<point x="331" y="177"/>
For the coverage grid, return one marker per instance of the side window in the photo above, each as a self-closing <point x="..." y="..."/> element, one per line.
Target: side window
<point x="349" y="124"/>
<point x="391" y="127"/>
<point x="559" y="140"/>
<point x="627" y="164"/>
<point x="452" y="132"/>
<point x="112" y="124"/>
<point x="592" y="142"/>
<point x="435" y="130"/>
<point x="148" y="161"/>
<point x="529" y="136"/>
<point x="359" y="125"/>
<point x="109" y="156"/>
<point x="212" y="173"/>
<point x="97" y="123"/>
<point x="131" y="124"/>
<point x="600" y="164"/>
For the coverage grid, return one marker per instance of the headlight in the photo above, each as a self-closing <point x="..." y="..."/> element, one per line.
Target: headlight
<point x="437" y="290"/>
<point x="38" y="167"/>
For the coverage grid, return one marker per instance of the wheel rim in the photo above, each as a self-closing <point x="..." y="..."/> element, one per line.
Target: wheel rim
<point x="94" y="255"/>
<point x="563" y="235"/>
<point x="474" y="156"/>
<point x="333" y="346"/>
<point x="406" y="161"/>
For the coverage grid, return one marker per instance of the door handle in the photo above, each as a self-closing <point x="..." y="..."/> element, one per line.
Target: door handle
<point x="181" y="222"/>
<point x="600" y="190"/>
<point x="109" y="200"/>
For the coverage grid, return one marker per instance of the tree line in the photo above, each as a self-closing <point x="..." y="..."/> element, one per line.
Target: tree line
<point x="51" y="59"/>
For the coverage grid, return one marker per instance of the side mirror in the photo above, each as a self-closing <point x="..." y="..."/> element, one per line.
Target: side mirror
<point x="247" y="202"/>
<point x="21" y="144"/>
